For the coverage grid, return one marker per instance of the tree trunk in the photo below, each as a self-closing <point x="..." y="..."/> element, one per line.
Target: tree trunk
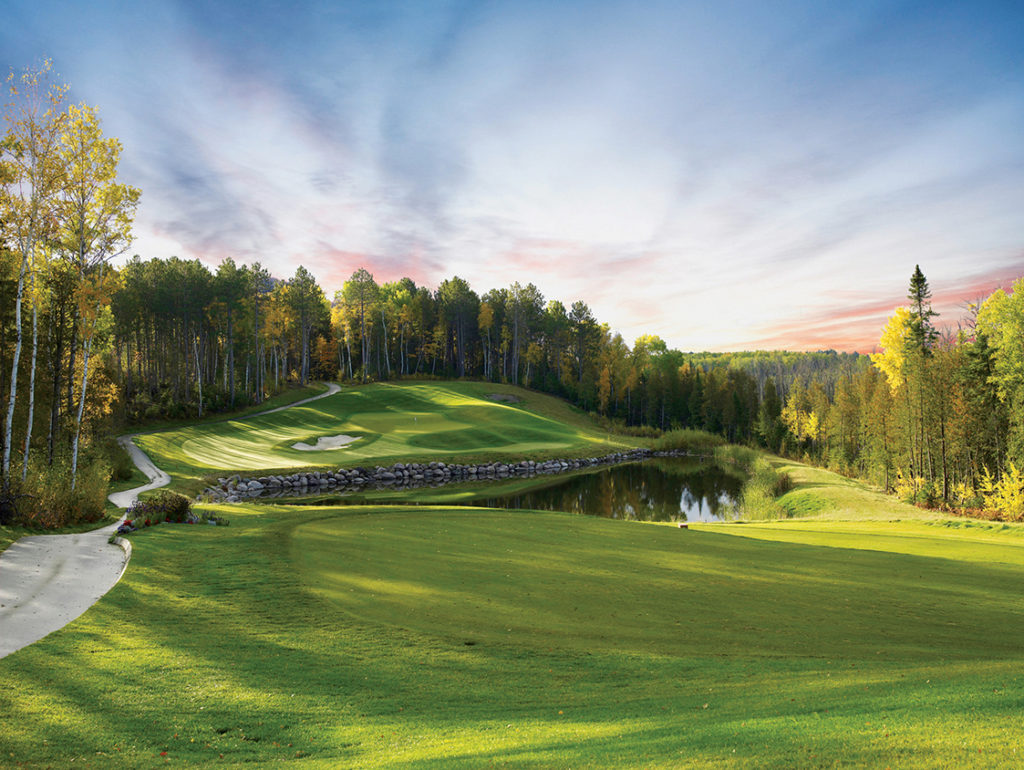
<point x="13" y="394"/>
<point x="199" y="378"/>
<point x="230" y="358"/>
<point x="31" y="388"/>
<point x="86" y="348"/>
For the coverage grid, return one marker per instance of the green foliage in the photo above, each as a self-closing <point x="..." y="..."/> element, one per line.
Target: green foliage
<point x="741" y="457"/>
<point x="163" y="506"/>
<point x="621" y="428"/>
<point x="49" y="502"/>
<point x="121" y="466"/>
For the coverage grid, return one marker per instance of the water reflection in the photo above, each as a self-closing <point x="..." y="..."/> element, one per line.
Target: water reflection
<point x="664" y="489"/>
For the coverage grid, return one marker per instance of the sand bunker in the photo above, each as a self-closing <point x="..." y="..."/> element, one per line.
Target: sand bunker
<point x="326" y="442"/>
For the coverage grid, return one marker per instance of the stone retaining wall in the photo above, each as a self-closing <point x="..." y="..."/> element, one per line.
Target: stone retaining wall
<point x="406" y="475"/>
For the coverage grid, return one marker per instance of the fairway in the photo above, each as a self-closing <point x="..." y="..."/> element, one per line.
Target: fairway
<point x="432" y="637"/>
<point x="426" y="421"/>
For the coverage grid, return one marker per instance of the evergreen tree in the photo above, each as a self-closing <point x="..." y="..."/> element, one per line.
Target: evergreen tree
<point x="923" y="334"/>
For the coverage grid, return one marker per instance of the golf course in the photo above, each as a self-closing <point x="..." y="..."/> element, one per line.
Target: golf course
<point x="859" y="631"/>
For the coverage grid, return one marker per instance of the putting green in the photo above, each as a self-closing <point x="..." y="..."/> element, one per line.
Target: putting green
<point x="392" y="422"/>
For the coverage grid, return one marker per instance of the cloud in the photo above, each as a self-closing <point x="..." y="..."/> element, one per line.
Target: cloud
<point x="722" y="176"/>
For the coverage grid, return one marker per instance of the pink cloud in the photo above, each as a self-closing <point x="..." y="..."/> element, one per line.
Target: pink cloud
<point x="856" y="326"/>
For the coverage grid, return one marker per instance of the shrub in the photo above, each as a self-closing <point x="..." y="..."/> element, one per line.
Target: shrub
<point x="619" y="427"/>
<point x="1005" y="496"/>
<point x="163" y="506"/>
<point x="121" y="465"/>
<point x="908" y="488"/>
<point x="742" y="457"/>
<point x="46" y="500"/>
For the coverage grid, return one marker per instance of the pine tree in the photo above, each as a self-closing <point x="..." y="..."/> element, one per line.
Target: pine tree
<point x="923" y="333"/>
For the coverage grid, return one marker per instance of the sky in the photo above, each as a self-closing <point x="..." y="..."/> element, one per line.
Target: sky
<point x="725" y="175"/>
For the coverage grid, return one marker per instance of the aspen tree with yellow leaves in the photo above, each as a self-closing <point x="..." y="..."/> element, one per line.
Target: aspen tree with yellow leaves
<point x="95" y="219"/>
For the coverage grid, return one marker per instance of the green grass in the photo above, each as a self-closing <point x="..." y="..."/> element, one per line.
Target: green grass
<point x="394" y="422"/>
<point x="340" y="636"/>
<point x="819" y="493"/>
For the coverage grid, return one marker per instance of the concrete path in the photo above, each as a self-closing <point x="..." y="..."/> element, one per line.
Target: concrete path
<point x="46" y="581"/>
<point x="157" y="478"/>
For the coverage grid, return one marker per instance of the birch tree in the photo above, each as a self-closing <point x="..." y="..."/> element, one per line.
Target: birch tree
<point x="95" y="215"/>
<point x="30" y="172"/>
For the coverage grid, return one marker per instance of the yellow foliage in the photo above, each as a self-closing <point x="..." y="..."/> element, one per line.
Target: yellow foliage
<point x="961" y="494"/>
<point x="907" y="487"/>
<point x="1005" y="496"/>
<point x="892" y="360"/>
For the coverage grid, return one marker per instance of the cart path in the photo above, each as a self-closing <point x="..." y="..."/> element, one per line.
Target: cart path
<point x="46" y="581"/>
<point x="157" y="478"/>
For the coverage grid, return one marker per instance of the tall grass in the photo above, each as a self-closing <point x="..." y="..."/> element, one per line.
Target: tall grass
<point x="693" y="441"/>
<point x="759" y="499"/>
<point x="741" y="457"/>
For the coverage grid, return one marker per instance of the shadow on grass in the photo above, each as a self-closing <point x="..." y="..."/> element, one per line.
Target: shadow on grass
<point x="216" y="643"/>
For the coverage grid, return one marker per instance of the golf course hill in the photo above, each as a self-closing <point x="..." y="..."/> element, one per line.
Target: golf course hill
<point x="381" y="424"/>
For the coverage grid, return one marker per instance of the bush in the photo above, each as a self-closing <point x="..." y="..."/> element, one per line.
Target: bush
<point x="163" y="506"/>
<point x="619" y="427"/>
<point x="742" y="457"/>
<point x="1006" y="496"/>
<point x="46" y="500"/>
<point x="121" y="465"/>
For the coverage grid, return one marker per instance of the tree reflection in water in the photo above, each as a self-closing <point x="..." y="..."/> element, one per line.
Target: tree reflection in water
<point x="663" y="489"/>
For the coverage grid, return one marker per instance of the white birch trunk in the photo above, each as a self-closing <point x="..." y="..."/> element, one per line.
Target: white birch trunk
<point x="31" y="386"/>
<point x="13" y="395"/>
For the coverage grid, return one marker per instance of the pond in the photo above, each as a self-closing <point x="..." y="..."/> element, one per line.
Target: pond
<point x="663" y="489"/>
<point x="657" y="489"/>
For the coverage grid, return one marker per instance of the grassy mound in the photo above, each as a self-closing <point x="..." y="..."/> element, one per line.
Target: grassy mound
<point x="432" y="637"/>
<point x="394" y="422"/>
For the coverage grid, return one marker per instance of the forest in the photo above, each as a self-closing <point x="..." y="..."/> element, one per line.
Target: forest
<point x="935" y="416"/>
<point x="90" y="343"/>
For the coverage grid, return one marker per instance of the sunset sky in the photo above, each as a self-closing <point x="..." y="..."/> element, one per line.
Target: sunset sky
<point x="726" y="175"/>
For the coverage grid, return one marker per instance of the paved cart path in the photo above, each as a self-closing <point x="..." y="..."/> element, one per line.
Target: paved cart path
<point x="46" y="581"/>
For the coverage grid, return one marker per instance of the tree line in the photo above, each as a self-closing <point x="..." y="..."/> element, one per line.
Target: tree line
<point x="938" y="416"/>
<point x="189" y="340"/>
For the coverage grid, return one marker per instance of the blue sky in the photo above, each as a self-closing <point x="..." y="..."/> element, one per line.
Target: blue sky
<point x="726" y="175"/>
